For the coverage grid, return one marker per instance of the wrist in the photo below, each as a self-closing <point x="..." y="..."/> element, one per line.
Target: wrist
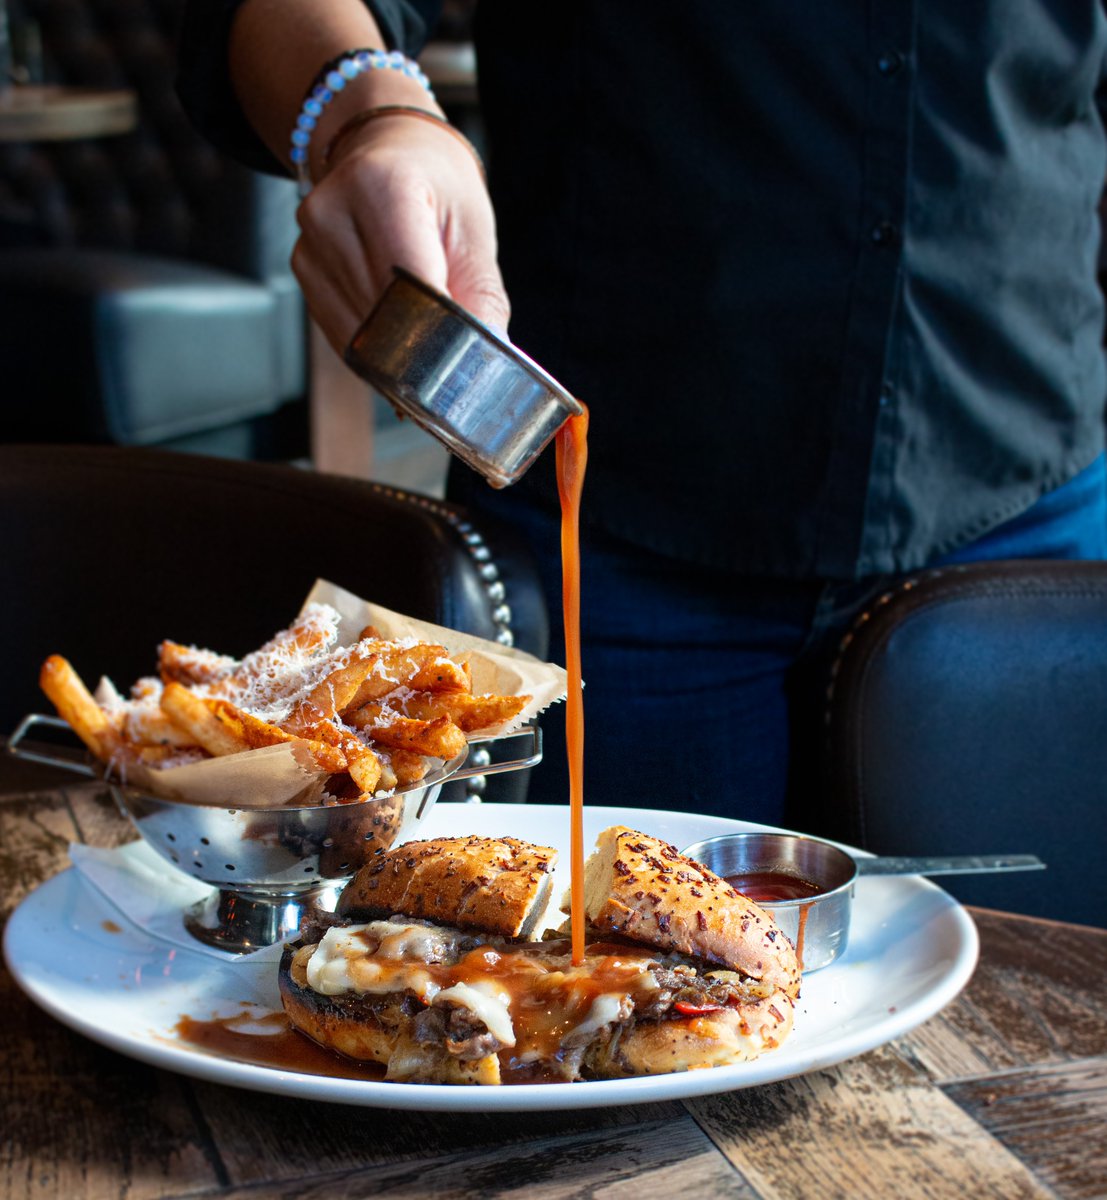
<point x="357" y="130"/>
<point x="352" y="82"/>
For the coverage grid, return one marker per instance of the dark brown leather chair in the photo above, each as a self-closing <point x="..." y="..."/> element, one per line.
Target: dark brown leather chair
<point x="107" y="551"/>
<point x="968" y="714"/>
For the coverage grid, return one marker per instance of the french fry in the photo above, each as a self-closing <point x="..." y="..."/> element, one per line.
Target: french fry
<point x="145" y="725"/>
<point x="147" y="688"/>
<point x="440" y="737"/>
<point x="217" y="736"/>
<point x="407" y="766"/>
<point x="362" y="763"/>
<point x="192" y="666"/>
<point x="365" y="767"/>
<point x="422" y="667"/>
<point x="127" y="754"/>
<point x="69" y="695"/>
<point x="331" y="695"/>
<point x="442" y="674"/>
<point x="255" y="733"/>
<point x="468" y="712"/>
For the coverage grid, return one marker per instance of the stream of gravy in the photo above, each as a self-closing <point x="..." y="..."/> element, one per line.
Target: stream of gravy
<point x="572" y="458"/>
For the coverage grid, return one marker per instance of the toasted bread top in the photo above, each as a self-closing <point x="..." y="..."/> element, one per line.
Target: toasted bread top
<point x="644" y="889"/>
<point x="497" y="885"/>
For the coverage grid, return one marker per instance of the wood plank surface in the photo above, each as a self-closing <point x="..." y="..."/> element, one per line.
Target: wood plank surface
<point x="1053" y="1117"/>
<point x="98" y="818"/>
<point x="672" y="1158"/>
<point x="35" y="832"/>
<point x="260" y="1137"/>
<point x="1037" y="996"/>
<point x="1043" y="985"/>
<point x="870" y="1128"/>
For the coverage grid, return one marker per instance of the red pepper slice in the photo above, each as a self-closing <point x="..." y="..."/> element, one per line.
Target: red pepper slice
<point x="696" y="1010"/>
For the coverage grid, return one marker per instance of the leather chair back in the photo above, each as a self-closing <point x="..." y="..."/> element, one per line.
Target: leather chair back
<point x="108" y="551"/>
<point x="968" y="714"/>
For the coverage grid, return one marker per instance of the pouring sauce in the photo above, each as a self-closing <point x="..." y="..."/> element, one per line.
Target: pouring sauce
<point x="572" y="458"/>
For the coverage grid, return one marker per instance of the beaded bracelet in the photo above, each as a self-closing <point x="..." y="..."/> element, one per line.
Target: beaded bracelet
<point x="358" y="120"/>
<point x="331" y="79"/>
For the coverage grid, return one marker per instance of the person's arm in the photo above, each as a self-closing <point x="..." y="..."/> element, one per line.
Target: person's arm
<point x="399" y="191"/>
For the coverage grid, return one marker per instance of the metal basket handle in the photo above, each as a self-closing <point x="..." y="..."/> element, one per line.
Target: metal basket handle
<point x="515" y="764"/>
<point x="40" y="753"/>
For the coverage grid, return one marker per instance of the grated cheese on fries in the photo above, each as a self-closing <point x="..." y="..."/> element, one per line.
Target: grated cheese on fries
<point x="374" y="716"/>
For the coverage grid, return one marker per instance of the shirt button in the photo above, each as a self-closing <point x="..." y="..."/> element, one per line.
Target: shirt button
<point x="884" y="233"/>
<point x="890" y="63"/>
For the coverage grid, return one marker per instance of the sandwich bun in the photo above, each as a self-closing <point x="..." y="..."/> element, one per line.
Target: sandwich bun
<point x="642" y="888"/>
<point x="716" y="1039"/>
<point x="501" y="886"/>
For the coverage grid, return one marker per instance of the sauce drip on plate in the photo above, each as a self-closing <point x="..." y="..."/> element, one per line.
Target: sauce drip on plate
<point x="273" y="1044"/>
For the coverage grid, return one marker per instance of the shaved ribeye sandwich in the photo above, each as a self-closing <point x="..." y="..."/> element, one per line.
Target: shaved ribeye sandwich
<point x="430" y="968"/>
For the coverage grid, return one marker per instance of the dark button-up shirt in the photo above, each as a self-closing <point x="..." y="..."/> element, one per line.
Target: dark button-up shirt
<point x="824" y="273"/>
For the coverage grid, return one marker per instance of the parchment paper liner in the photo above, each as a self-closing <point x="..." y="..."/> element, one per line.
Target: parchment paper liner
<point x="285" y="774"/>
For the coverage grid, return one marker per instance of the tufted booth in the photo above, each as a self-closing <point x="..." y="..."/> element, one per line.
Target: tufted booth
<point x="145" y="291"/>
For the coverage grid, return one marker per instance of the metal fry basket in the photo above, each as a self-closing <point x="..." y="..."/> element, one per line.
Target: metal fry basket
<point x="268" y="866"/>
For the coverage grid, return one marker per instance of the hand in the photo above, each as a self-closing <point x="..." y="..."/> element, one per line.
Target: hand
<point x="399" y="192"/>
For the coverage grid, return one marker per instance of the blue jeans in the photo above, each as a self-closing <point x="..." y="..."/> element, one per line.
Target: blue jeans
<point x="704" y="690"/>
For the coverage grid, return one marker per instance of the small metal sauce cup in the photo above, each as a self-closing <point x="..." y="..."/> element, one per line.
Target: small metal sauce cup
<point x="818" y="925"/>
<point x="486" y="401"/>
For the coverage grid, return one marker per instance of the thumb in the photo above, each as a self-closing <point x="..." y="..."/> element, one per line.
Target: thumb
<point x="479" y="288"/>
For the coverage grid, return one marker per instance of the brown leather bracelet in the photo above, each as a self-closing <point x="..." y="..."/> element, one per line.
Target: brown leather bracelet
<point x="396" y="110"/>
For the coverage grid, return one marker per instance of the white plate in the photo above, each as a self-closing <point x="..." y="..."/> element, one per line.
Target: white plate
<point x="912" y="949"/>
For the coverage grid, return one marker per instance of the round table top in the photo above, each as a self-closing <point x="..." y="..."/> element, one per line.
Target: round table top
<point x="47" y="113"/>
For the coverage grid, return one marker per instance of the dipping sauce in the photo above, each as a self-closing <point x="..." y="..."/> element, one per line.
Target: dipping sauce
<point x="769" y="887"/>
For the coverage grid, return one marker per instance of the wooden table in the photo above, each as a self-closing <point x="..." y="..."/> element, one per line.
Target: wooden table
<point x="1003" y="1094"/>
<point x="45" y="113"/>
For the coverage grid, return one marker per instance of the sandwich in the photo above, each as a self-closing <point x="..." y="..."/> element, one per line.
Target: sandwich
<point x="438" y="966"/>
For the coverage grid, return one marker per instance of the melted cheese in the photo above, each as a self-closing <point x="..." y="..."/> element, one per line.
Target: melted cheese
<point x="528" y="996"/>
<point x="424" y="942"/>
<point x="485" y="1001"/>
<point x="604" y="1010"/>
<point x="379" y="957"/>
